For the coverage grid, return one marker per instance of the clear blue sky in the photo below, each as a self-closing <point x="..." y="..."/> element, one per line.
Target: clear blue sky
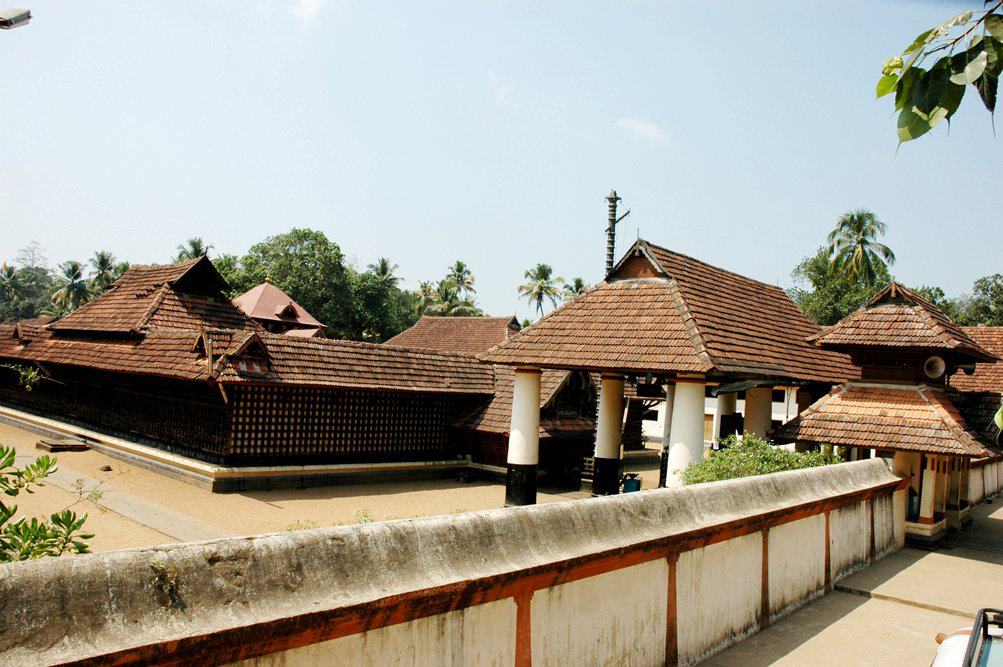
<point x="486" y="131"/>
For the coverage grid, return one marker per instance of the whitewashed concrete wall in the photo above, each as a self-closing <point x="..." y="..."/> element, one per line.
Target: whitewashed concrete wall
<point x="668" y="576"/>
<point x="718" y="596"/>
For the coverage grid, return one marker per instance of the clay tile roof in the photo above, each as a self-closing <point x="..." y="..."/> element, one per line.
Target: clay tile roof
<point x="689" y="317"/>
<point x="186" y="295"/>
<point x="891" y="417"/>
<point x="470" y="335"/>
<point x="988" y="376"/>
<point x="342" y="363"/>
<point x="899" y="318"/>
<point x="181" y="354"/>
<point x="496" y="415"/>
<point x="268" y="302"/>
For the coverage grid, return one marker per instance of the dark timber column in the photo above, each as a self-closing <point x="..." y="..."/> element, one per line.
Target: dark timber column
<point x="524" y="439"/>
<point x="609" y="432"/>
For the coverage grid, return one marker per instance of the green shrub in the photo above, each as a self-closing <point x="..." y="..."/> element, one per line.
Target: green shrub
<point x="753" y="455"/>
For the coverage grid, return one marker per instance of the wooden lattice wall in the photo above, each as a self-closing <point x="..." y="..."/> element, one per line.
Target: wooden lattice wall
<point x="304" y="424"/>
<point x="186" y="417"/>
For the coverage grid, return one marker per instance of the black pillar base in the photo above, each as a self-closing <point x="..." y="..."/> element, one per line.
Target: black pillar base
<point x="606" y="477"/>
<point x="663" y="468"/>
<point x="520" y="485"/>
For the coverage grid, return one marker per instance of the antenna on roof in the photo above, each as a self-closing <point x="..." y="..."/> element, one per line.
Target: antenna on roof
<point x="612" y="222"/>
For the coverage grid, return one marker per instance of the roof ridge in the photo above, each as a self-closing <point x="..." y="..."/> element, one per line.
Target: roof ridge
<point x="713" y="266"/>
<point x="692" y="327"/>
<point x="154" y="305"/>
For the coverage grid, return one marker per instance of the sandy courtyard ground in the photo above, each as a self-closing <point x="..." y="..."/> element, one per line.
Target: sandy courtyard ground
<point x="131" y="507"/>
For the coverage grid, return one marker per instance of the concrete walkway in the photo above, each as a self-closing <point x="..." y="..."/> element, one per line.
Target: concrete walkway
<point x="166" y="521"/>
<point x="889" y="613"/>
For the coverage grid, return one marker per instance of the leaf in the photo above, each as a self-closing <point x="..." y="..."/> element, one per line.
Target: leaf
<point x="903" y="91"/>
<point x="886" y="84"/>
<point x="994" y="25"/>
<point x="951" y="99"/>
<point x="961" y="19"/>
<point x="998" y="419"/>
<point x="968" y="72"/>
<point x="988" y="86"/>
<point x="911" y="125"/>
<point x="931" y="86"/>
<point x="921" y="40"/>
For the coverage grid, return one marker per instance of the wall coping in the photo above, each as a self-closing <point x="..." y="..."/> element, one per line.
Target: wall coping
<point x="235" y="598"/>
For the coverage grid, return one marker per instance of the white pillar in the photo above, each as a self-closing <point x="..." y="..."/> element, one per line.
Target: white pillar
<point x="687" y="428"/>
<point x="523" y="439"/>
<point x="928" y="493"/>
<point x="758" y="410"/>
<point x="663" y="464"/>
<point x="727" y="404"/>
<point x="901" y="466"/>
<point x="609" y="434"/>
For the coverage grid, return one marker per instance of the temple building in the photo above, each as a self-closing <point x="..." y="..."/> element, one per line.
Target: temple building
<point x="672" y="325"/>
<point x="902" y="406"/>
<point x="164" y="359"/>
<point x="567" y="400"/>
<point x="275" y="310"/>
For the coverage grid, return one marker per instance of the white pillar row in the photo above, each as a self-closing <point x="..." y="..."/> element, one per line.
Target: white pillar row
<point x="727" y="404"/>
<point x="609" y="434"/>
<point x="758" y="410"/>
<point x="523" y="439"/>
<point x="687" y="428"/>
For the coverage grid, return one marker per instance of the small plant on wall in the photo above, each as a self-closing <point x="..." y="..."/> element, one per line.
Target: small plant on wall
<point x="753" y="455"/>
<point x="28" y="377"/>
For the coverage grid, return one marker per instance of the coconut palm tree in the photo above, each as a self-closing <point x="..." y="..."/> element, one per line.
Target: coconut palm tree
<point x="446" y="302"/>
<point x="120" y="268"/>
<point x="73" y="290"/>
<point x="574" y="289"/>
<point x="191" y="249"/>
<point x="11" y="286"/>
<point x="426" y="297"/>
<point x="854" y="248"/>
<point x="103" y="270"/>
<point x="460" y="275"/>
<point x="541" y="285"/>
<point x="384" y="269"/>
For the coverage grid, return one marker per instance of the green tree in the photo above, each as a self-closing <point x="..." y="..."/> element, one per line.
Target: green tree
<point x="541" y="285"/>
<point x="25" y="539"/>
<point x="984" y="306"/>
<point x="424" y="297"/>
<point x="824" y="294"/>
<point x="72" y="289"/>
<point x="25" y="285"/>
<point x="102" y="270"/>
<point x="11" y="287"/>
<point x="574" y="289"/>
<point x="970" y="49"/>
<point x="459" y="274"/>
<point x="447" y="302"/>
<point x="193" y="248"/>
<point x="384" y="270"/>
<point x="854" y="248"/>
<point x="309" y="268"/>
<point x="753" y="455"/>
<point x="381" y="310"/>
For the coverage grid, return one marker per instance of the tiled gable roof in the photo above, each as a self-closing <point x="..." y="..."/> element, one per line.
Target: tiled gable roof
<point x="470" y="335"/>
<point x="184" y="296"/>
<point x="691" y="317"/>
<point x="988" y="376"/>
<point x="268" y="302"/>
<point x="180" y="354"/>
<point x="899" y="318"/>
<point x="496" y="415"/>
<point x="884" y="416"/>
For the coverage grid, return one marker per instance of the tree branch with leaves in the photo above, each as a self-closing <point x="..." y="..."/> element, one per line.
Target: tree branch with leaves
<point x="971" y="45"/>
